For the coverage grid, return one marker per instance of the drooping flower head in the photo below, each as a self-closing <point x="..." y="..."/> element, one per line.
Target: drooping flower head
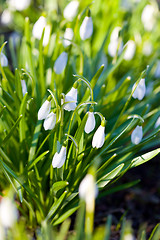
<point x="61" y="63"/>
<point x="50" y="121"/>
<point x="137" y="135"/>
<point x="4" y="60"/>
<point x="71" y="10"/>
<point x="8" y="213"/>
<point x="44" y="109"/>
<point x="38" y="27"/>
<point x="24" y="87"/>
<point x="115" y="45"/>
<point x="88" y="191"/>
<point x="68" y="35"/>
<point x="70" y="102"/>
<point x="148" y="17"/>
<point x="59" y="158"/>
<point x="86" y="28"/>
<point x="99" y="136"/>
<point x="140" y="90"/>
<point x="130" y="50"/>
<point x="90" y="123"/>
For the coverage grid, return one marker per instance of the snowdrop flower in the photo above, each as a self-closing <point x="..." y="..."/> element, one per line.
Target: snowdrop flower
<point x="157" y="71"/>
<point x="8" y="213"/>
<point x="4" y="60"/>
<point x="148" y="17"/>
<point x="6" y="17"/>
<point x="114" y="44"/>
<point x="50" y="121"/>
<point x="140" y="90"/>
<point x="44" y="109"/>
<point x="24" y="87"/>
<point x="71" y="10"/>
<point x="71" y="98"/>
<point x="86" y="28"/>
<point x="19" y="5"/>
<point x="68" y="35"/>
<point x="59" y="158"/>
<point x="47" y="32"/>
<point x="147" y="48"/>
<point x="137" y="135"/>
<point x="157" y="124"/>
<point x="99" y="136"/>
<point x="61" y="63"/>
<point x="130" y="50"/>
<point x="88" y="191"/>
<point x="38" y="27"/>
<point x="90" y="124"/>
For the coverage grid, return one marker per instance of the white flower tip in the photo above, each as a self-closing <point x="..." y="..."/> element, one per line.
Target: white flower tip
<point x="71" y="10"/>
<point x="61" y="63"/>
<point x="137" y="135"/>
<point x="99" y="137"/>
<point x="44" y="110"/>
<point x="86" y="28"/>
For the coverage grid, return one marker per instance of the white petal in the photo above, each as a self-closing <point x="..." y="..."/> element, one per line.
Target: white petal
<point x="148" y="17"/>
<point x="137" y="135"/>
<point x="6" y="17"/>
<point x="140" y="90"/>
<point x="24" y="87"/>
<point x="61" y="63"/>
<point x="90" y="124"/>
<point x="157" y="72"/>
<point x="44" y="110"/>
<point x="99" y="137"/>
<point x="68" y="35"/>
<point x="50" y="121"/>
<point x="86" y="28"/>
<point x="46" y="35"/>
<point x="19" y="5"/>
<point x="71" y="98"/>
<point x="59" y="158"/>
<point x="71" y="10"/>
<point x="38" y="27"/>
<point x="130" y="50"/>
<point x="4" y="60"/>
<point x="8" y="212"/>
<point x="157" y="124"/>
<point x="73" y="94"/>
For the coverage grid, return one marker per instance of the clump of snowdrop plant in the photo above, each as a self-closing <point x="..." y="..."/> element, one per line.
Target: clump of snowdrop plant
<point x="62" y="112"/>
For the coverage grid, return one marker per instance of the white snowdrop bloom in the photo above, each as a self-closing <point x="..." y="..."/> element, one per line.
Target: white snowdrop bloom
<point x="6" y="17"/>
<point x="8" y="212"/>
<point x="71" y="98"/>
<point x="71" y="10"/>
<point x="50" y="121"/>
<point x="99" y="137"/>
<point x="19" y="5"/>
<point x="147" y="48"/>
<point x="88" y="191"/>
<point x="24" y="87"/>
<point x="4" y="60"/>
<point x="157" y="71"/>
<point x="47" y="32"/>
<point x="148" y="17"/>
<point x="44" y="110"/>
<point x="86" y="28"/>
<point x="90" y="123"/>
<point x="129" y="236"/>
<point x="157" y="124"/>
<point x="137" y="135"/>
<point x="61" y="63"/>
<point x="68" y="35"/>
<point x="140" y="90"/>
<point x="115" y="46"/>
<point x="59" y="158"/>
<point x="38" y="27"/>
<point x="130" y="50"/>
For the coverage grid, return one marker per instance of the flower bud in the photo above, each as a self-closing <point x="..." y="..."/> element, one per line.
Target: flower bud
<point x="130" y="50"/>
<point x="137" y="135"/>
<point x="90" y="124"/>
<point x="44" y="110"/>
<point x="50" y="121"/>
<point x="61" y="63"/>
<point x="140" y="90"/>
<point x="59" y="158"/>
<point x="19" y="5"/>
<point x="4" y="60"/>
<point x="99" y="137"/>
<point x="68" y="35"/>
<point x="71" y="10"/>
<point x="24" y="87"/>
<point x="86" y="28"/>
<point x="38" y="27"/>
<point x="71" y="98"/>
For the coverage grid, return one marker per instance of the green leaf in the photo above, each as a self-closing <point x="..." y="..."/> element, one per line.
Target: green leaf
<point x="56" y="205"/>
<point x="59" y="185"/>
<point x="35" y="161"/>
<point x="22" y="129"/>
<point x="144" y="158"/>
<point x="109" y="176"/>
<point x="65" y="215"/>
